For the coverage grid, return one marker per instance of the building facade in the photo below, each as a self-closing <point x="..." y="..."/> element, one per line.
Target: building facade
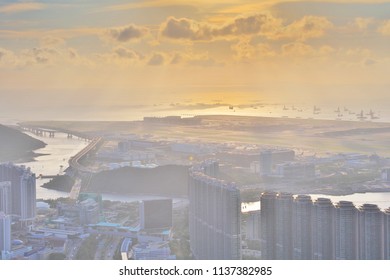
<point x="23" y="190"/>
<point x="371" y="233"/>
<point x="323" y="233"/>
<point x="346" y="231"/>
<point x="5" y="236"/>
<point x="5" y="197"/>
<point x="214" y="215"/>
<point x="302" y="228"/>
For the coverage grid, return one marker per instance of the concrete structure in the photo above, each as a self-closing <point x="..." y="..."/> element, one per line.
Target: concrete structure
<point x="5" y="197"/>
<point x="268" y="158"/>
<point x="386" y="240"/>
<point x="283" y="225"/>
<point x="155" y="214"/>
<point x="302" y="228"/>
<point x="83" y="213"/>
<point x="253" y="226"/>
<point x="23" y="190"/>
<point x="265" y="163"/>
<point x="268" y="225"/>
<point x="323" y="243"/>
<point x="5" y="236"/>
<point x="385" y="175"/>
<point x="125" y="248"/>
<point x="214" y="215"/>
<point x="346" y="231"/>
<point x="152" y="251"/>
<point x="371" y="233"/>
<point x="283" y="229"/>
<point x="295" y="170"/>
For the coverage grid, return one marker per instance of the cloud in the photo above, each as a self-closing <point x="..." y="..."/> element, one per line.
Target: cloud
<point x="6" y="57"/>
<point x="127" y="33"/>
<point x="304" y="28"/>
<point x="300" y="49"/>
<point x="189" y="29"/>
<point x="39" y="55"/>
<point x="384" y="29"/>
<point x="21" y="7"/>
<point x="2" y="53"/>
<point x="357" y="53"/>
<point x="156" y="59"/>
<point x="42" y="57"/>
<point x="249" y="25"/>
<point x="73" y="54"/>
<point x="177" y="59"/>
<point x="185" y="29"/>
<point x="362" y="23"/>
<point x="297" y="49"/>
<point x="51" y="41"/>
<point x="244" y="50"/>
<point x="126" y="53"/>
<point x="264" y="25"/>
<point x="188" y="57"/>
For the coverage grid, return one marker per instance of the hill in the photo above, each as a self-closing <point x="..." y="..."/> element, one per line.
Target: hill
<point x="17" y="146"/>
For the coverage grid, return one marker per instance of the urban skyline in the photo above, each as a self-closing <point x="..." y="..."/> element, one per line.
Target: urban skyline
<point x="144" y="129"/>
<point x="321" y="230"/>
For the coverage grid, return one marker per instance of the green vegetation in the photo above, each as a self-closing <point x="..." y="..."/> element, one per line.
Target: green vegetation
<point x="238" y="176"/>
<point x="56" y="256"/>
<point x="162" y="180"/>
<point x="250" y="195"/>
<point x="88" y="248"/>
<point x="350" y="178"/>
<point x="61" y="183"/>
<point x="17" y="146"/>
<point x="53" y="202"/>
<point x="180" y="244"/>
<point x="117" y="254"/>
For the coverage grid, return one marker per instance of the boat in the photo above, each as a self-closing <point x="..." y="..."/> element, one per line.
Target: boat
<point x="361" y="116"/>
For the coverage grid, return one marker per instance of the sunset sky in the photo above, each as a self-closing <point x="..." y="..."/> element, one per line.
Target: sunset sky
<point x="59" y="58"/>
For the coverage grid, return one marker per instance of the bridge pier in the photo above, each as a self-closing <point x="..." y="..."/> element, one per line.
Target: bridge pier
<point x="70" y="135"/>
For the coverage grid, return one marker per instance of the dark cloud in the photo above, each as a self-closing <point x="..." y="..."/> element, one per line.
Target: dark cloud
<point x="245" y="25"/>
<point x="185" y="29"/>
<point x="41" y="55"/>
<point x="176" y="59"/>
<point x="127" y="33"/>
<point x="126" y="53"/>
<point x="189" y="29"/>
<point x="156" y="59"/>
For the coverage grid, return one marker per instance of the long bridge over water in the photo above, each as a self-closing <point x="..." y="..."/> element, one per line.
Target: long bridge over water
<point x="51" y="131"/>
<point x="76" y="168"/>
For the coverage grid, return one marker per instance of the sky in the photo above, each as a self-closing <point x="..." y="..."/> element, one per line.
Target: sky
<point x="91" y="58"/>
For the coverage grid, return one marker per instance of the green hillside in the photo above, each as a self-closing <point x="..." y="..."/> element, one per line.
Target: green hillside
<point x="17" y="146"/>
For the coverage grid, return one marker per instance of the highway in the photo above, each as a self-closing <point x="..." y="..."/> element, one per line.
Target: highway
<point x="74" y="162"/>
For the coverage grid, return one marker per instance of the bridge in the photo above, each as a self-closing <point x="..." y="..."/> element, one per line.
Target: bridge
<point x="41" y="176"/>
<point x="74" y="161"/>
<point x="39" y="131"/>
<point x="50" y="131"/>
<point x="74" y="193"/>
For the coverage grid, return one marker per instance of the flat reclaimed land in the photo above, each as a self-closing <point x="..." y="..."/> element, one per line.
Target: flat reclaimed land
<point x="320" y="136"/>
